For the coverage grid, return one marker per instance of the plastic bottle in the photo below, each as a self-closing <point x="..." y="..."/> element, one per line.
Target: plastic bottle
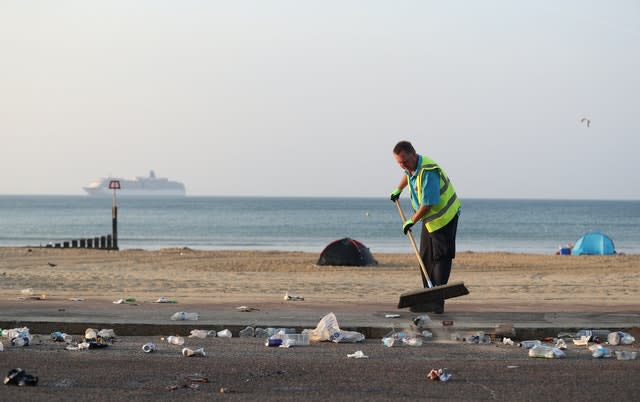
<point x="247" y="332"/>
<point x="20" y="341"/>
<point x="199" y="333"/>
<point x="295" y="340"/>
<point x="599" y="351"/>
<point x="148" y="347"/>
<point x="593" y="334"/>
<point x="189" y="352"/>
<point x="620" y="338"/>
<point x="184" y="316"/>
<point x="175" y="340"/>
<point x="529" y="344"/>
<point x="626" y="355"/>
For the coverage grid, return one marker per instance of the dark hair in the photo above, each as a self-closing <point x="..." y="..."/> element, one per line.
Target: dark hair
<point x="404" y="146"/>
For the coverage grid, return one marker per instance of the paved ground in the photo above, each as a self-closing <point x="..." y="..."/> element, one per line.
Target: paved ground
<point x="246" y="369"/>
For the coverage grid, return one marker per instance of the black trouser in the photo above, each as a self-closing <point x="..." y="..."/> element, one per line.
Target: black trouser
<point x="438" y="249"/>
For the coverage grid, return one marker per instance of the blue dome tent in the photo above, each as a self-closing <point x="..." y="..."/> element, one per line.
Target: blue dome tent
<point x="594" y="243"/>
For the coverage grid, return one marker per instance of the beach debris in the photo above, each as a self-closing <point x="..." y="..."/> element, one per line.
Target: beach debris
<point x="190" y="382"/>
<point x="90" y="333"/>
<point x="51" y="264"/>
<point x="184" y="316"/>
<point x="58" y="336"/>
<point x="190" y="352"/>
<point x="201" y="333"/>
<point x="582" y="341"/>
<point x="547" y="352"/>
<point x="441" y="374"/>
<point x="27" y="294"/>
<point x="77" y="299"/>
<point x="422" y="320"/>
<point x="106" y="334"/>
<point x="599" y="351"/>
<point x="163" y="299"/>
<point x="246" y="309"/>
<point x="626" y="355"/>
<point x="175" y="340"/>
<point x="127" y="300"/>
<point x="620" y="338"/>
<point x="397" y="338"/>
<point x="358" y="354"/>
<point x="19" y="377"/>
<point x="508" y="341"/>
<point x="585" y="120"/>
<point x="148" y="347"/>
<point x="273" y="342"/>
<point x="427" y="334"/>
<point x="1" y="347"/>
<point x="392" y="316"/>
<point x="529" y="344"/>
<point x="289" y="297"/>
<point x="593" y="335"/>
<point x="328" y="330"/>
<point x="225" y="333"/>
<point x="248" y="331"/>
<point x="447" y="323"/>
<point x="561" y="344"/>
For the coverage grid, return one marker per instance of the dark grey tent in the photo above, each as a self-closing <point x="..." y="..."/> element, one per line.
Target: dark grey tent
<point x="346" y="251"/>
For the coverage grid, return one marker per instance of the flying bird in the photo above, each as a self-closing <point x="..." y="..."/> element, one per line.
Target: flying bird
<point x="584" y="119"/>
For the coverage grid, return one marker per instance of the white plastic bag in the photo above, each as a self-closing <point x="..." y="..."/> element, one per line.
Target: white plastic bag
<point x="328" y="330"/>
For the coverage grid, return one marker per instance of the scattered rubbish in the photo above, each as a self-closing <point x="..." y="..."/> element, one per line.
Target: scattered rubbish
<point x="175" y="340"/>
<point x="289" y="297"/>
<point x="439" y="374"/>
<point x="27" y="294"/>
<point x="600" y="351"/>
<point x="358" y="355"/>
<point x="184" y="316"/>
<point x="582" y="341"/>
<point x="201" y="333"/>
<point x="398" y="338"/>
<point x="148" y="347"/>
<point x="478" y="338"/>
<point x="1" y="347"/>
<point x="248" y="331"/>
<point x="295" y="340"/>
<point x="20" y="341"/>
<point x="106" y="334"/>
<point x="190" y="382"/>
<point x="225" y="333"/>
<point x="508" y="341"/>
<point x="189" y="352"/>
<point x="246" y="309"/>
<point x="163" y="299"/>
<point x="328" y="330"/>
<point x="447" y="323"/>
<point x="58" y="336"/>
<point x="260" y="333"/>
<point x="273" y="342"/>
<point x="561" y="344"/>
<point x="427" y="334"/>
<point x="620" y="338"/>
<point x="392" y="316"/>
<point x="20" y="378"/>
<point x="90" y="333"/>
<point x="77" y="299"/>
<point x="529" y="344"/>
<point x="548" y="352"/>
<point x="422" y="320"/>
<point x="626" y="355"/>
<point x="512" y="367"/>
<point x="128" y="300"/>
<point x="593" y="334"/>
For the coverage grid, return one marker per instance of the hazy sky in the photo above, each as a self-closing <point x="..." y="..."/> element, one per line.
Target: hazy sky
<point x="307" y="98"/>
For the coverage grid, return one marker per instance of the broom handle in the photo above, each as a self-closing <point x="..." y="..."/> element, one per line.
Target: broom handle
<point x="413" y="243"/>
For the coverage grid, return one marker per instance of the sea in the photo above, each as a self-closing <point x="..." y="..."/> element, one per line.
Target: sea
<point x="309" y="224"/>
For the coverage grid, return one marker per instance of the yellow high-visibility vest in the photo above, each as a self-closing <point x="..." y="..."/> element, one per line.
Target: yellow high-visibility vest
<point x="442" y="213"/>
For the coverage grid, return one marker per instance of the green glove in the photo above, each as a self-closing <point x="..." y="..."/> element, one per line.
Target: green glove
<point x="407" y="225"/>
<point x="395" y="194"/>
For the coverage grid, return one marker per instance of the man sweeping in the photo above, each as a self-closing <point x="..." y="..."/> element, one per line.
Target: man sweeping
<point x="437" y="207"/>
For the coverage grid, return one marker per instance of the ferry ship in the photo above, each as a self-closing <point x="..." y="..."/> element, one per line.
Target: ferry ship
<point x="141" y="186"/>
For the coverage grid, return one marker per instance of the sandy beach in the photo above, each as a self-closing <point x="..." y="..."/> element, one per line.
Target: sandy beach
<point x="497" y="281"/>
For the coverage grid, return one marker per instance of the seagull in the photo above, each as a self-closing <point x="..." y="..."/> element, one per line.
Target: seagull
<point x="587" y="120"/>
<point x="52" y="264"/>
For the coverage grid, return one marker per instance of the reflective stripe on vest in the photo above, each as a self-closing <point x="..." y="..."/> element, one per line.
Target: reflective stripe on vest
<point x="442" y="213"/>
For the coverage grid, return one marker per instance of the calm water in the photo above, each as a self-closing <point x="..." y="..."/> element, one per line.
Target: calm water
<point x="308" y="224"/>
